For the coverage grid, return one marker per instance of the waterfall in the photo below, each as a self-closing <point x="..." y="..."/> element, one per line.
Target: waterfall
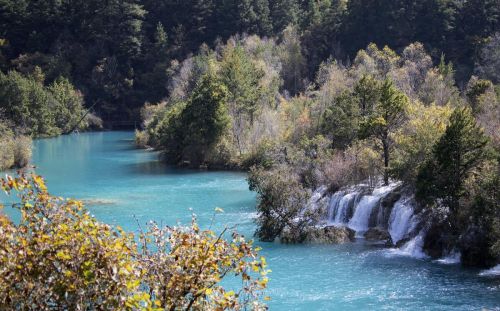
<point x="400" y="219"/>
<point x="361" y="217"/>
<point x="414" y="247"/>
<point x="333" y="205"/>
<point x="343" y="206"/>
<point x="316" y="200"/>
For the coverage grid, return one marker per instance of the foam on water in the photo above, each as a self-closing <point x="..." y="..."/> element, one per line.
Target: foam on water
<point x="412" y="248"/>
<point x="493" y="272"/>
<point x="451" y="259"/>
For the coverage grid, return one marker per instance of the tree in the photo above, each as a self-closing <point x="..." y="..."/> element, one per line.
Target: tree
<point x="488" y="64"/>
<point x="254" y="17"/>
<point x="341" y="120"/>
<point x="205" y="119"/>
<point x="388" y="114"/>
<point x="455" y="156"/>
<point x="28" y="104"/>
<point x="284" y="13"/>
<point x="367" y="91"/>
<point x="58" y="256"/>
<point x="294" y="63"/>
<point x="69" y="109"/>
<point x="242" y="79"/>
<point x="281" y="200"/>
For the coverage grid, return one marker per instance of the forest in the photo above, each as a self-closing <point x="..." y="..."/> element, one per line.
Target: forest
<point x="300" y="94"/>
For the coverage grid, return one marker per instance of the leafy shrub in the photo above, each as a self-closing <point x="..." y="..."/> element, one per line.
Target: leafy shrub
<point x="15" y="150"/>
<point x="141" y="139"/>
<point x="60" y="257"/>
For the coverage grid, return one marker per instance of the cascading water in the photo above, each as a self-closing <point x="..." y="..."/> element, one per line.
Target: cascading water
<point x="316" y="201"/>
<point x="343" y="206"/>
<point x="400" y="219"/>
<point x="412" y="248"/>
<point x="361" y="217"/>
<point x="333" y="205"/>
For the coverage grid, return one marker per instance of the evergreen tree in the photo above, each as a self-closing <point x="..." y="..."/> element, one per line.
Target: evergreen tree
<point x="284" y="13"/>
<point x="387" y="115"/>
<point x="242" y="78"/>
<point x="459" y="151"/>
<point x="341" y="120"/>
<point x="205" y="118"/>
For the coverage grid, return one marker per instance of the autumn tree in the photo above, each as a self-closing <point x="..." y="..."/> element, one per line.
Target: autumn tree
<point x="58" y="256"/>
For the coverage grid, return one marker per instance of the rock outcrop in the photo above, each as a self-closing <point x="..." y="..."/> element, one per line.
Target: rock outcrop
<point x="329" y="235"/>
<point x="378" y="234"/>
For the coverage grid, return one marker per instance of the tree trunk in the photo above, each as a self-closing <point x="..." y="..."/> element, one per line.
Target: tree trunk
<point x="385" y="145"/>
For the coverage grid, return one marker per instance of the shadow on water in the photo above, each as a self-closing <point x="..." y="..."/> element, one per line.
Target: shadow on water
<point x="154" y="167"/>
<point x="158" y="167"/>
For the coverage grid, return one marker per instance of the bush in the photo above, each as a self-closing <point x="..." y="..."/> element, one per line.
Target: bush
<point x="22" y="151"/>
<point x="141" y="139"/>
<point x="15" y="150"/>
<point x="59" y="257"/>
<point x="281" y="201"/>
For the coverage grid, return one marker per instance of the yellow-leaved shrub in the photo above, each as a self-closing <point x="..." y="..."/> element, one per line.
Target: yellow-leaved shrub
<point x="60" y="257"/>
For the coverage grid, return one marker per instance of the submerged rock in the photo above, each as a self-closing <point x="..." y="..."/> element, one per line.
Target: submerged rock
<point x="378" y="234"/>
<point x="329" y="235"/>
<point x="93" y="202"/>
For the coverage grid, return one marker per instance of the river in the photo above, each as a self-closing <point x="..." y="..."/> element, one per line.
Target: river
<point x="122" y="184"/>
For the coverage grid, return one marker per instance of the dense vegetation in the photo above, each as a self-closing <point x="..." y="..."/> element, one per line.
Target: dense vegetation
<point x="59" y="257"/>
<point x="388" y="116"/>
<point x="121" y="53"/>
<point x="31" y="109"/>
<point x="302" y="93"/>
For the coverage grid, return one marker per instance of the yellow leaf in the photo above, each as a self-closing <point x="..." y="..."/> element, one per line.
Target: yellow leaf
<point x="219" y="210"/>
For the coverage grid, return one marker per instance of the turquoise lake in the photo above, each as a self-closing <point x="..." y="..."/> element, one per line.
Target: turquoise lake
<point x="122" y="184"/>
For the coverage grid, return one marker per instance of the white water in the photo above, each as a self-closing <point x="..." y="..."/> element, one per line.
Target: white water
<point x="413" y="248"/>
<point x="333" y="205"/>
<point x="450" y="259"/>
<point x="316" y="201"/>
<point x="341" y="214"/>
<point x="400" y="219"/>
<point x="493" y="272"/>
<point x="361" y="217"/>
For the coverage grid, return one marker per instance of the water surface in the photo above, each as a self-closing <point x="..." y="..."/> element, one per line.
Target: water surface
<point x="123" y="185"/>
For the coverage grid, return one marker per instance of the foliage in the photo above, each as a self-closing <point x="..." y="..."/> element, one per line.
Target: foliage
<point x="118" y="52"/>
<point x="455" y="157"/>
<point x="16" y="149"/>
<point x="37" y="110"/>
<point x="426" y="124"/>
<point x="59" y="256"/>
<point x="69" y="109"/>
<point x="281" y="201"/>
<point x="204" y="119"/>
<point x="341" y="120"/>
<point x="385" y="118"/>
<point x="28" y="104"/>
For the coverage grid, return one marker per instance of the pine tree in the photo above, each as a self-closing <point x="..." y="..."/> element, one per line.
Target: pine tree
<point x="284" y="13"/>
<point x="459" y="151"/>
<point x="205" y="118"/>
<point x="387" y="115"/>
